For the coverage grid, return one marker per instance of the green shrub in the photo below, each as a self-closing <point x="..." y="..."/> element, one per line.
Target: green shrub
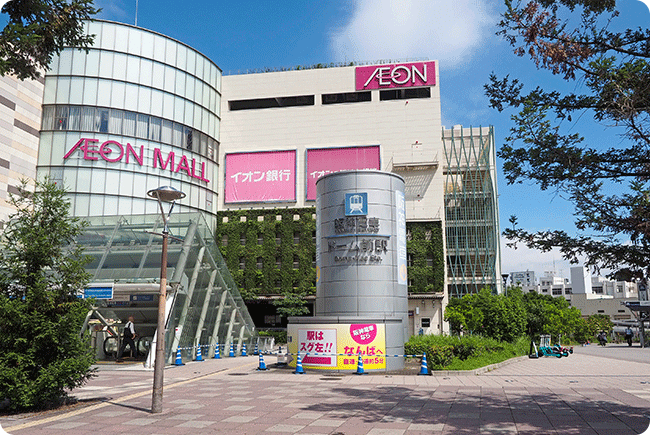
<point x="280" y="336"/>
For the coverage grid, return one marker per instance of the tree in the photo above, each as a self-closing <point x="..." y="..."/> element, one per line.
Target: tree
<point x="610" y="77"/>
<point x="42" y="353"/>
<point x="37" y="30"/>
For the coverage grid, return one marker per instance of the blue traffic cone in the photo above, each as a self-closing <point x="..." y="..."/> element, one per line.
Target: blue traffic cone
<point x="424" y="368"/>
<point x="299" y="370"/>
<point x="217" y="355"/>
<point x="243" y="350"/>
<point x="261" y="366"/>
<point x="360" y="370"/>
<point x="256" y="351"/>
<point x="179" y="358"/>
<point x="232" y="351"/>
<point x="199" y="357"/>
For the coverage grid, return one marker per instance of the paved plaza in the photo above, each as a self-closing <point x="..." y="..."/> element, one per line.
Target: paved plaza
<point x="594" y="391"/>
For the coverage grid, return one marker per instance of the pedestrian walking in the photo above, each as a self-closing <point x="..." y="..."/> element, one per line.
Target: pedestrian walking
<point x="128" y="339"/>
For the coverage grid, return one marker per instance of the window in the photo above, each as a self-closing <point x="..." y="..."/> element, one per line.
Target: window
<point x="296" y="237"/>
<point x="296" y="263"/>
<point x="278" y="262"/>
<point x="348" y="97"/>
<point x="242" y="240"/>
<point x="267" y="103"/>
<point x="260" y="239"/>
<point x="425" y="322"/>
<point x="242" y="263"/>
<point x="224" y="240"/>
<point x="404" y="94"/>
<point x="430" y="260"/>
<point x="260" y="263"/>
<point x="409" y="260"/>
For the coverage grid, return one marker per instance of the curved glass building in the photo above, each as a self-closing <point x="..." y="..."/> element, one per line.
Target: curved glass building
<point x="138" y="111"/>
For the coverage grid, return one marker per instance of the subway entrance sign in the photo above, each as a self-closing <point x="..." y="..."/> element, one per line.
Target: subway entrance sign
<point x="105" y="292"/>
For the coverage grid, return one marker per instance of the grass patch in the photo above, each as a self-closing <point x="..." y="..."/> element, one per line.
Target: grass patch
<point x="446" y="352"/>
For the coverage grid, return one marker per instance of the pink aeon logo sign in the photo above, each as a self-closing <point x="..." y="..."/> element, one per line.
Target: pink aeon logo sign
<point x="402" y="75"/>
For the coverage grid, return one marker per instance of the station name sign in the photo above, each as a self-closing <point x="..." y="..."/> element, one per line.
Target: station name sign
<point x="112" y="151"/>
<point x="401" y="75"/>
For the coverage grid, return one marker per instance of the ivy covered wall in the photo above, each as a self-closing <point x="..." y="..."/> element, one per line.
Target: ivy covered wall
<point x="273" y="252"/>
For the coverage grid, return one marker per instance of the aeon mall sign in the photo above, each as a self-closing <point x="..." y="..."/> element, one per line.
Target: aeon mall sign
<point x="402" y="75"/>
<point x="112" y="151"/>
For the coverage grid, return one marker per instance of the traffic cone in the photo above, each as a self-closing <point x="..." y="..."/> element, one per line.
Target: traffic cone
<point x="243" y="350"/>
<point x="299" y="370"/>
<point x="360" y="370"/>
<point x="424" y="368"/>
<point x="199" y="357"/>
<point x="217" y="355"/>
<point x="256" y="351"/>
<point x="232" y="351"/>
<point x="179" y="358"/>
<point x="261" y="366"/>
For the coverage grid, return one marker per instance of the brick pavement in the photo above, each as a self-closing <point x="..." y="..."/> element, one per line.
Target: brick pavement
<point x="594" y="391"/>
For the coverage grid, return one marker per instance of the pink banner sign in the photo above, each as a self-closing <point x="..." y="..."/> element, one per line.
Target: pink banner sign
<point x="261" y="176"/>
<point x="327" y="160"/>
<point x="402" y="75"/>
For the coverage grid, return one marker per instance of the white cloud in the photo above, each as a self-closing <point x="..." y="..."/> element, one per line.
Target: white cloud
<point x="524" y="259"/>
<point x="449" y="31"/>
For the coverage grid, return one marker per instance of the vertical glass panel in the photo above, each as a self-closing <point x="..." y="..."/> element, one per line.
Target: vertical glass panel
<point x="106" y="59"/>
<point x="95" y="28"/>
<point x="78" y="62"/>
<point x="119" y="66"/>
<point x="124" y="206"/>
<point x="131" y="97"/>
<point x="199" y="66"/>
<point x="154" y="128"/>
<point x="189" y="87"/>
<point x="92" y="63"/>
<point x="99" y="180"/>
<point x="63" y="90"/>
<point x="170" y="55"/>
<point x="144" y="100"/>
<point x="90" y="91"/>
<point x="179" y="106"/>
<point x="88" y="119"/>
<point x="65" y="62"/>
<point x="108" y="36"/>
<point x="167" y="128"/>
<point x="180" y="83"/>
<point x="74" y="118"/>
<point x="49" y="91"/>
<point x="189" y="139"/>
<point x="177" y="139"/>
<point x="81" y="205"/>
<point x="121" y="39"/>
<point x="117" y="96"/>
<point x="146" y="70"/>
<point x="76" y="90"/>
<point x="198" y="93"/>
<point x="170" y="79"/>
<point x="143" y="126"/>
<point x="128" y="126"/>
<point x="132" y="69"/>
<point x="156" y="102"/>
<point x="83" y="180"/>
<point x="126" y="183"/>
<point x="96" y="205"/>
<point x="204" y="145"/>
<point x="189" y="113"/>
<point x="159" y="48"/>
<point x="112" y="182"/>
<point x="158" y="77"/>
<point x="168" y="106"/>
<point x="115" y="121"/>
<point x="48" y="118"/>
<point x="45" y="150"/>
<point x="147" y="44"/>
<point x="54" y="64"/>
<point x="59" y="143"/>
<point x="110" y="205"/>
<point x="104" y="93"/>
<point x="135" y="38"/>
<point x="103" y="119"/>
<point x="181" y="56"/>
<point x="191" y="62"/>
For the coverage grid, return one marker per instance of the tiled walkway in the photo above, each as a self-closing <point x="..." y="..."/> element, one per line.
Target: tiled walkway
<point x="594" y="391"/>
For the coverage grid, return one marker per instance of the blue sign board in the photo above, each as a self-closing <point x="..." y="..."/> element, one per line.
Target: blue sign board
<point x="356" y="204"/>
<point x="142" y="298"/>
<point x="98" y="292"/>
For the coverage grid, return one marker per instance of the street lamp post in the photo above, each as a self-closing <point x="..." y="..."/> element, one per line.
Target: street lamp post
<point x="162" y="194"/>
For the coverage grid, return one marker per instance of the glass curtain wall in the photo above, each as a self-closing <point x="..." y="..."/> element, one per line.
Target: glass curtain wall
<point x="471" y="211"/>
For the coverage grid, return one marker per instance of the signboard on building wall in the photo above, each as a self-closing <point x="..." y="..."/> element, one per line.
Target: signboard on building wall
<point x="323" y="161"/>
<point x="402" y="75"/>
<point x="338" y="346"/>
<point x="267" y="176"/>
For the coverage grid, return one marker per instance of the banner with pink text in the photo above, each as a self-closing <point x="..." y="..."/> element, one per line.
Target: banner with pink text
<point x="324" y="161"/>
<point x="266" y="176"/>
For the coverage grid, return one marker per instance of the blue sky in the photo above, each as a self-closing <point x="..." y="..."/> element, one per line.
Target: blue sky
<point x="460" y="34"/>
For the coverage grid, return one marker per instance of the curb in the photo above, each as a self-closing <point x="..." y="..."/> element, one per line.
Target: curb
<point x="478" y="371"/>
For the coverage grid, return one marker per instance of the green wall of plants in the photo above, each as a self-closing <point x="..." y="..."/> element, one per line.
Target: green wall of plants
<point x="273" y="252"/>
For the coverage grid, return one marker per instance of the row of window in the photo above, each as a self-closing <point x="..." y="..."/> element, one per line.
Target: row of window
<point x="260" y="239"/>
<point x="130" y="124"/>
<point x="278" y="262"/>
<point x="339" y="98"/>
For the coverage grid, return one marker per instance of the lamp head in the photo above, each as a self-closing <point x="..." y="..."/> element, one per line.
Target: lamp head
<point x="166" y="194"/>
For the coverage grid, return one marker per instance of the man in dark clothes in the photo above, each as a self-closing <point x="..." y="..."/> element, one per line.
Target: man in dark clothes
<point x="128" y="338"/>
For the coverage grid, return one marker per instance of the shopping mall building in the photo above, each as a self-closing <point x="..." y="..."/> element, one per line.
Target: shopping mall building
<point x="141" y="110"/>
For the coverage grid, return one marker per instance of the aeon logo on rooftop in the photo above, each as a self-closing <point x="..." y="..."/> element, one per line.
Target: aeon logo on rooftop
<point x="401" y="75"/>
<point x="112" y="151"/>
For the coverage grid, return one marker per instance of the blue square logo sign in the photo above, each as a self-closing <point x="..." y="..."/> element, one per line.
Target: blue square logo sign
<point x="356" y="204"/>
